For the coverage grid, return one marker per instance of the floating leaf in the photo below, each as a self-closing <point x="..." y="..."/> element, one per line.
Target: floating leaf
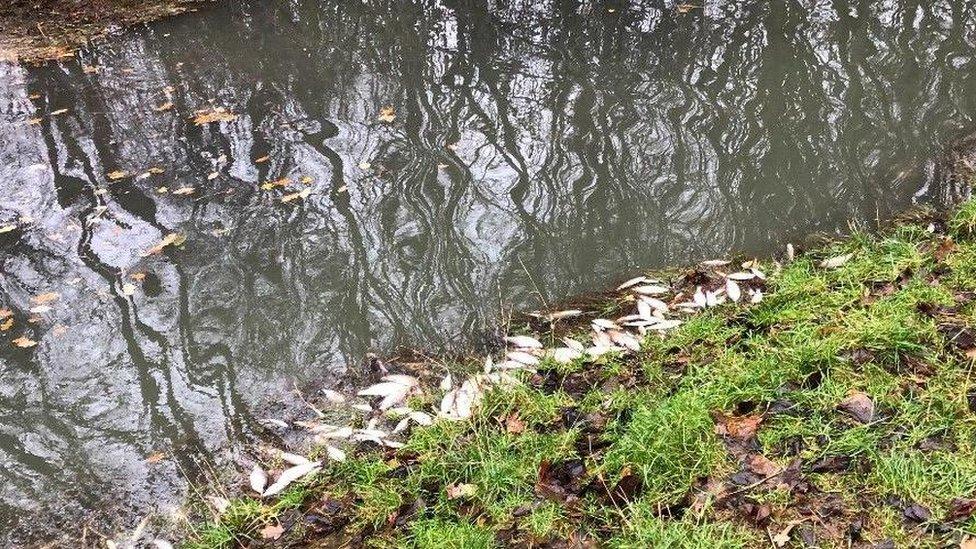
<point x="24" y="342"/>
<point x="387" y="114"/>
<point x="294" y="196"/>
<point x="219" y="114"/>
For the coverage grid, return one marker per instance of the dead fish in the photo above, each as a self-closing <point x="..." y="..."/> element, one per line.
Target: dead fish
<point x="651" y="289"/>
<point x="733" y="290"/>
<point x="524" y="342"/>
<point x="258" y="479"/>
<point x="290" y="475"/>
<point x="523" y="357"/>
<point x="632" y="282"/>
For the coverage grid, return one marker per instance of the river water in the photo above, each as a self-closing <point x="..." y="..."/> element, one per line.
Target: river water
<point x="535" y="150"/>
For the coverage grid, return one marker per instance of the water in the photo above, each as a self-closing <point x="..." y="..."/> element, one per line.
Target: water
<point x="538" y="150"/>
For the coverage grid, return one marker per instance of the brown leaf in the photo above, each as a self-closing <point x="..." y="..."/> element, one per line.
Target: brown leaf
<point x="219" y="114"/>
<point x="514" y="425"/>
<point x="741" y="427"/>
<point x="761" y="465"/>
<point x="272" y="531"/>
<point x="859" y="405"/>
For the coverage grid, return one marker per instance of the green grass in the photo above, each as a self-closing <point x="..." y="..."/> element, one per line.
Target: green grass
<point x="875" y="325"/>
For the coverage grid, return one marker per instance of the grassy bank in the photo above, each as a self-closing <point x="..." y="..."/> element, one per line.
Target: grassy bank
<point x="41" y="30"/>
<point x="836" y="411"/>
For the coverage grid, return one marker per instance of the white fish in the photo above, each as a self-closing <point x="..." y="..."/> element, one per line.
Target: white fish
<point x="559" y="315"/>
<point x="421" y="418"/>
<point x="573" y="344"/>
<point x="564" y="355"/>
<point x="524" y="342"/>
<point x="835" y="262"/>
<point x="335" y="454"/>
<point x="651" y="289"/>
<point x="632" y="282"/>
<point x="655" y="304"/>
<point x="624" y="339"/>
<point x="405" y="380"/>
<point x="384" y="389"/>
<point x="604" y="324"/>
<point x="290" y="475"/>
<point x="523" y="357"/>
<point x="733" y="290"/>
<point x="334" y="397"/>
<point x="258" y="479"/>
<point x="294" y="459"/>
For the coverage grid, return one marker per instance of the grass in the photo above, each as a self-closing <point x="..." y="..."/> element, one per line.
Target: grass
<point x="642" y="451"/>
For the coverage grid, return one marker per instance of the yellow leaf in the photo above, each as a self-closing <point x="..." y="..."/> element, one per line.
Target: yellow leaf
<point x="46" y="297"/>
<point x="24" y="342"/>
<point x="220" y="114"/>
<point x="387" y="114"/>
<point x="293" y="196"/>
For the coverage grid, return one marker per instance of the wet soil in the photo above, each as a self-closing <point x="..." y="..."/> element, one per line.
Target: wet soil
<point x="34" y="31"/>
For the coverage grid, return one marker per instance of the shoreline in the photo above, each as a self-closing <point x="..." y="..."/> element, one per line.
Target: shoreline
<point x="48" y="30"/>
<point x="791" y="413"/>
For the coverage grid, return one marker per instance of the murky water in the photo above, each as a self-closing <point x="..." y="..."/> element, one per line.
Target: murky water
<point x="538" y="149"/>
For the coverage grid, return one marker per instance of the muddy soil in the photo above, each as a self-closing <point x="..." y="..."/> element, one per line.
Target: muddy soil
<point x="39" y="30"/>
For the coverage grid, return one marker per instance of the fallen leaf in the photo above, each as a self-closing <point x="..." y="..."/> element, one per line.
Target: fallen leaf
<point x="46" y="297"/>
<point x="456" y="491"/>
<point x="272" y="531"/>
<point x="171" y="238"/>
<point x="304" y="193"/>
<point x="514" y="425"/>
<point x="24" y="342"/>
<point x="220" y="114"/>
<point x="740" y="427"/>
<point x="387" y="114"/>
<point x="834" y="262"/>
<point x="859" y="405"/>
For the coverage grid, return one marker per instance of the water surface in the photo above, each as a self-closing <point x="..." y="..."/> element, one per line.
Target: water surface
<point x="538" y="150"/>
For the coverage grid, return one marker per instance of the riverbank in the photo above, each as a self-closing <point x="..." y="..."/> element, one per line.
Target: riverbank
<point x="822" y="399"/>
<point x="33" y="31"/>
